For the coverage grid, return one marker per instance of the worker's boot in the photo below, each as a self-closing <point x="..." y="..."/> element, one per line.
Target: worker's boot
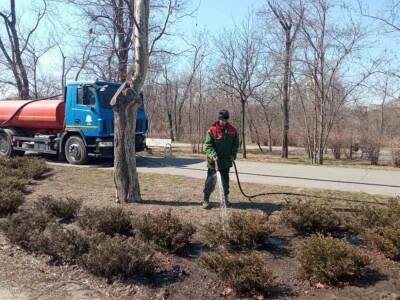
<point x="227" y="203"/>
<point x="206" y="203"/>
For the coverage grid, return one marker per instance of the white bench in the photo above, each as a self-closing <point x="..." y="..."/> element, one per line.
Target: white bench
<point x="165" y="144"/>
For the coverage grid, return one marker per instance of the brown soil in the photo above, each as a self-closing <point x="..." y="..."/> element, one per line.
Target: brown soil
<point x="28" y="276"/>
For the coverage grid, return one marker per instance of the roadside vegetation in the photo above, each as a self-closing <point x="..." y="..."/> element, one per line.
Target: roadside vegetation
<point x="119" y="244"/>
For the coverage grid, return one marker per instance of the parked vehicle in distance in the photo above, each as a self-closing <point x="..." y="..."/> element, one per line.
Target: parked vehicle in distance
<point x="75" y="127"/>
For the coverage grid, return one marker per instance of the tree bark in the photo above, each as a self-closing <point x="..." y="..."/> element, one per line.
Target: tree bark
<point x="243" y="128"/>
<point x="125" y="104"/>
<point x="285" y="106"/>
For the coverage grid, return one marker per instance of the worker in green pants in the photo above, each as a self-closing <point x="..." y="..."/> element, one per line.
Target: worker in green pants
<point x="221" y="146"/>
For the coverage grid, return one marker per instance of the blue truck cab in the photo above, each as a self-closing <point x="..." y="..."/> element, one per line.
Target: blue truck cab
<point x="89" y="114"/>
<point x="86" y="128"/>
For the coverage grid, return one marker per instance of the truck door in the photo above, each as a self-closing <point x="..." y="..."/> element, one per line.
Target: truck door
<point x="85" y="111"/>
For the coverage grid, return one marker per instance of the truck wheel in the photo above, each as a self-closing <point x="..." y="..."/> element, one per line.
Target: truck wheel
<point x="6" y="147"/>
<point x="75" y="151"/>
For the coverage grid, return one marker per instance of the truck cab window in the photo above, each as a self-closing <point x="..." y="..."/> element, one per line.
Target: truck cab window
<point x="87" y="98"/>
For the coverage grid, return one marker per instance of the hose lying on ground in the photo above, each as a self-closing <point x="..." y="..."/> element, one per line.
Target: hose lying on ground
<point x="249" y="197"/>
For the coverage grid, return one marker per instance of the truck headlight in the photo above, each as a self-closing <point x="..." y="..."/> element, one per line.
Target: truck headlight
<point x="106" y="144"/>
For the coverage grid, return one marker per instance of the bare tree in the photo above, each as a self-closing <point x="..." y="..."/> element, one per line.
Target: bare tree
<point x="35" y="55"/>
<point x="239" y="71"/>
<point x="326" y="52"/>
<point x="125" y="104"/>
<point x="290" y="19"/>
<point x="13" y="47"/>
<point x="110" y="21"/>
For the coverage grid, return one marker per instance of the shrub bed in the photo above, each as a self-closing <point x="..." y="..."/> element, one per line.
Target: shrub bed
<point x="245" y="273"/>
<point x="164" y="230"/>
<point x="26" y="229"/>
<point x="119" y="256"/>
<point x="370" y="216"/>
<point x="10" y="201"/>
<point x="64" y="244"/>
<point x="310" y="217"/>
<point x="387" y="240"/>
<point x="23" y="167"/>
<point x="13" y="183"/>
<point x="109" y="220"/>
<point x="241" y="232"/>
<point x="329" y="260"/>
<point x="67" y="208"/>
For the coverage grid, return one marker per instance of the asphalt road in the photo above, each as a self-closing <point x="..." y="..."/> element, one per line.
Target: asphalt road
<point x="380" y="182"/>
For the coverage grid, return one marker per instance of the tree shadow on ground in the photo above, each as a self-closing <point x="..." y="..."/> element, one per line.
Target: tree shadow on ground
<point x="280" y="290"/>
<point x="370" y="277"/>
<point x="157" y="162"/>
<point x="278" y="246"/>
<point x="158" y="279"/>
<point x="192" y="250"/>
<point x="265" y="207"/>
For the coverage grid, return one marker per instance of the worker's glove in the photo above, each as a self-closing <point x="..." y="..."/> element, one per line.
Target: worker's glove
<point x="215" y="158"/>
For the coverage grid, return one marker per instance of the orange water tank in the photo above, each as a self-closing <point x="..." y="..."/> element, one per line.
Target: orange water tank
<point x="40" y="114"/>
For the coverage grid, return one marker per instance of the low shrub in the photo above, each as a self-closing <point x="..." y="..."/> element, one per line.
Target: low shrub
<point x="164" y="230"/>
<point x="387" y="240"/>
<point x="109" y="220"/>
<point x="23" y="167"/>
<point x="26" y="229"/>
<point x="242" y="231"/>
<point x="13" y="183"/>
<point x="329" y="260"/>
<point x="65" y="244"/>
<point x="67" y="208"/>
<point x="310" y="217"/>
<point x="245" y="273"/>
<point x="10" y="201"/>
<point x="370" y="216"/>
<point x="118" y="256"/>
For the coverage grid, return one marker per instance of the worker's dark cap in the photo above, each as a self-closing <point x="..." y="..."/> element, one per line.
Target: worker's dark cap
<point x="223" y="114"/>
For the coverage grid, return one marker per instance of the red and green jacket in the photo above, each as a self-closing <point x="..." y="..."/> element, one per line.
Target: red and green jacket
<point x="222" y="143"/>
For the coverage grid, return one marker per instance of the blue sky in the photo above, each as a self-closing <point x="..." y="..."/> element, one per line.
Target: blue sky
<point x="213" y="15"/>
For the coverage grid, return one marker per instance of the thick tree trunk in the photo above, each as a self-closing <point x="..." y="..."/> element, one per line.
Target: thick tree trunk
<point x="125" y="104"/>
<point x="126" y="177"/>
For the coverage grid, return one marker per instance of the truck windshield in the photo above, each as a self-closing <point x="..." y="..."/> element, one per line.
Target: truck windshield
<point x="105" y="94"/>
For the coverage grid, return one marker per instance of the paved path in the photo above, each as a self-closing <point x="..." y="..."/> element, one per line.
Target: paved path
<point x="320" y="177"/>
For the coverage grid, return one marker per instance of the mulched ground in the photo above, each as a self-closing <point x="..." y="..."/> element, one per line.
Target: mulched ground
<point x="29" y="276"/>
